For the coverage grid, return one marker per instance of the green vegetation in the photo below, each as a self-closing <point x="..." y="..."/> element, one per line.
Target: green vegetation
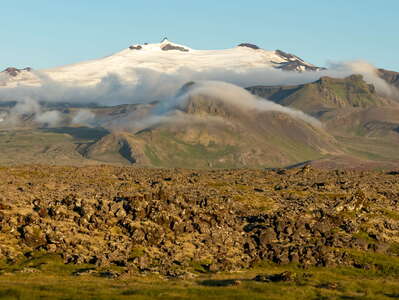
<point x="45" y="145"/>
<point x="391" y="214"/>
<point x="155" y="161"/>
<point x="378" y="265"/>
<point x="312" y="283"/>
<point x="295" y="150"/>
<point x="136" y="252"/>
<point x="80" y="133"/>
<point x="377" y="149"/>
<point x="364" y="236"/>
<point x="167" y="150"/>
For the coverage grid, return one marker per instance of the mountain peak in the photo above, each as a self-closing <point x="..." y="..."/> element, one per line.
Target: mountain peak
<point x="249" y="45"/>
<point x="164" y="45"/>
<point x="165" y="57"/>
<point x="15" y="71"/>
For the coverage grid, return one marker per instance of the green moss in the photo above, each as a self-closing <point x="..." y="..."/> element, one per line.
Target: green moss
<point x="170" y="151"/>
<point x="380" y="264"/>
<point x="364" y="236"/>
<point x="391" y="214"/>
<point x="394" y="249"/>
<point x="311" y="283"/>
<point x="201" y="266"/>
<point x="43" y="262"/>
<point x="152" y="156"/>
<point x="136" y="252"/>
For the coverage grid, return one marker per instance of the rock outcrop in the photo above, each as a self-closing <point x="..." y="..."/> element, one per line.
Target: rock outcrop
<point x="15" y="71"/>
<point x="172" y="221"/>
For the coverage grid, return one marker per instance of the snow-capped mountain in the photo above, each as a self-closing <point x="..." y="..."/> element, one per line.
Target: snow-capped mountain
<point x="164" y="57"/>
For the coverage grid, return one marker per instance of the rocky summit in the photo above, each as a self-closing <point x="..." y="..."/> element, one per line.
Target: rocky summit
<point x="177" y="222"/>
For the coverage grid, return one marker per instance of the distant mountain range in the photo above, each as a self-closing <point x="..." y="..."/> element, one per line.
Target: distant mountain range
<point x="347" y="122"/>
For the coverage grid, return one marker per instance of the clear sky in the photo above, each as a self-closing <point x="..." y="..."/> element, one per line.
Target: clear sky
<point x="48" y="33"/>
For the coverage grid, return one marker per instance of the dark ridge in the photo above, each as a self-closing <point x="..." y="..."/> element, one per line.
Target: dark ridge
<point x="69" y="105"/>
<point x="294" y="62"/>
<point x="273" y="93"/>
<point x="15" y="71"/>
<point x="126" y="151"/>
<point x="185" y="88"/>
<point x="355" y="80"/>
<point x="8" y="103"/>
<point x="168" y="47"/>
<point x="287" y="55"/>
<point x="294" y="65"/>
<point x="298" y="165"/>
<point x="352" y="78"/>
<point x="391" y="77"/>
<point x="135" y="47"/>
<point x="380" y="125"/>
<point x="81" y="133"/>
<point x="248" y="45"/>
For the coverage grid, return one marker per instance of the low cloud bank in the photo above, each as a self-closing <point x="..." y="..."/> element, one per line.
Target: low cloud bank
<point x="150" y="85"/>
<point x="238" y="97"/>
<point x="29" y="108"/>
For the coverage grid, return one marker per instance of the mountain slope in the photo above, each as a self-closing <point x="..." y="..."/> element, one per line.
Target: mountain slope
<point x="210" y="130"/>
<point x="165" y="57"/>
<point x="389" y="76"/>
<point x="279" y="141"/>
<point x="365" y="124"/>
<point x="324" y="95"/>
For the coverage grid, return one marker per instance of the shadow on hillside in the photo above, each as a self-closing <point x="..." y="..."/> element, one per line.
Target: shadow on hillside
<point x="392" y="295"/>
<point x="221" y="283"/>
<point x="81" y="133"/>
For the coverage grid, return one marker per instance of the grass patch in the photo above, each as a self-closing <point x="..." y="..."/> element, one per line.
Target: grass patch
<point x="364" y="236"/>
<point x="311" y="283"/>
<point x="379" y="264"/>
<point x="170" y="151"/>
<point x="151" y="155"/>
<point x="393" y="215"/>
<point x="394" y="249"/>
<point x="136" y="252"/>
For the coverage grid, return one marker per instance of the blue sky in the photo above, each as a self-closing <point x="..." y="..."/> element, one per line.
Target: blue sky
<point x="48" y="33"/>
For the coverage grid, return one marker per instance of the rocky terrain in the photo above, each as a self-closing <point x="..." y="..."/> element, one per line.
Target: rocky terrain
<point x="178" y="222"/>
<point x="391" y="77"/>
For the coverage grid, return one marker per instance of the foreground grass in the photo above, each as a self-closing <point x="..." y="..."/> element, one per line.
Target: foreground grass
<point x="313" y="283"/>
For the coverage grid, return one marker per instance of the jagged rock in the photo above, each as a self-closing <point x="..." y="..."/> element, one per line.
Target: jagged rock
<point x="285" y="276"/>
<point x="168" y="47"/>
<point x="33" y="235"/>
<point x="266" y="237"/>
<point x="109" y="274"/>
<point x="248" y="45"/>
<point x="329" y="285"/>
<point x="150" y="224"/>
<point x="136" y="47"/>
<point x="15" y="71"/>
